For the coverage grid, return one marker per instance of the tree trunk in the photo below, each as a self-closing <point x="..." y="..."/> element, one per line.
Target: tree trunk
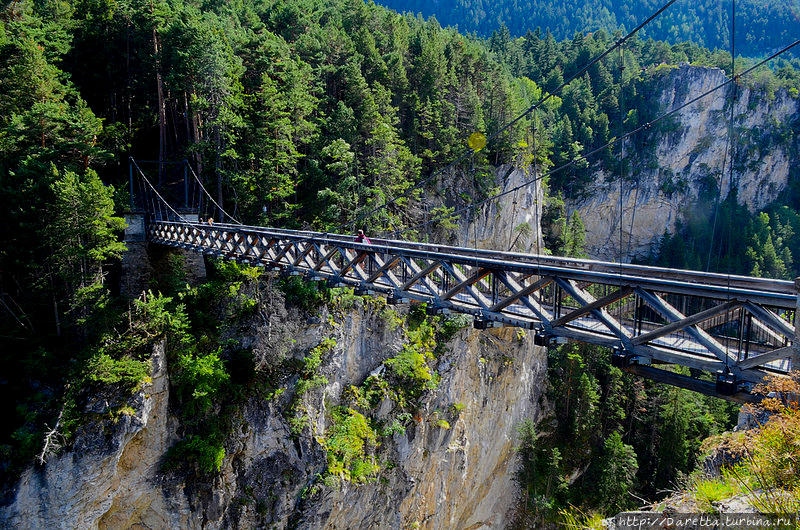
<point x="56" y="317"/>
<point x="128" y="76"/>
<point x="162" y="113"/>
<point x="196" y="135"/>
<point x="218" y="168"/>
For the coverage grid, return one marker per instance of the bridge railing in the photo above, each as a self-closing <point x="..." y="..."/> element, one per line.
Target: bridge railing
<point x="736" y="326"/>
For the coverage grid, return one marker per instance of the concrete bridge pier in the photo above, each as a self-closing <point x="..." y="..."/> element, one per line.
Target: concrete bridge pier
<point x="142" y="262"/>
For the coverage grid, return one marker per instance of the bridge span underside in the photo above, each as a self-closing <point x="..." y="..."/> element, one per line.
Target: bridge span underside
<point x="736" y="328"/>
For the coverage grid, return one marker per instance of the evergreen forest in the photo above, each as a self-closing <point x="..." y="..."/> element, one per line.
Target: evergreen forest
<point x="310" y="114"/>
<point x="762" y="25"/>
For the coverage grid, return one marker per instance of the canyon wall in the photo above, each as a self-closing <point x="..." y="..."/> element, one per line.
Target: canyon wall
<point x="684" y="162"/>
<point x="458" y="475"/>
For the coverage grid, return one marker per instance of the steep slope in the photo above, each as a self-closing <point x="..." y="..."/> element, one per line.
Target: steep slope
<point x="686" y="164"/>
<point x="763" y="25"/>
<point x="450" y="465"/>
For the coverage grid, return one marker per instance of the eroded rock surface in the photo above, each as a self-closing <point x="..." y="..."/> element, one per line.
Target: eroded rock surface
<point x="434" y="477"/>
<point x="691" y="160"/>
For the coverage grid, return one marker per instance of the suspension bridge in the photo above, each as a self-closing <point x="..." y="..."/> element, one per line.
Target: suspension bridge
<point x="736" y="328"/>
<point x="728" y="332"/>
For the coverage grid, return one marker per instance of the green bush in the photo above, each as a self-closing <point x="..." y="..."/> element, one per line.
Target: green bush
<point x="306" y="295"/>
<point x="200" y="381"/>
<point x="411" y="364"/>
<point x="128" y="372"/>
<point x="313" y="360"/>
<point x="707" y="491"/>
<point x="207" y="452"/>
<point x="347" y="443"/>
<point x="448" y="326"/>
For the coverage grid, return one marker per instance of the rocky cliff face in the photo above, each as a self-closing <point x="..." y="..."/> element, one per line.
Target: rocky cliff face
<point x="689" y="159"/>
<point x="512" y="222"/>
<point x="432" y="477"/>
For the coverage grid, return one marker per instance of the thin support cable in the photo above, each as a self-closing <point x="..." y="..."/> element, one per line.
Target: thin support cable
<point x="141" y="173"/>
<point x="732" y="145"/>
<point x="607" y="144"/>
<point x="621" y="150"/>
<point x="232" y="218"/>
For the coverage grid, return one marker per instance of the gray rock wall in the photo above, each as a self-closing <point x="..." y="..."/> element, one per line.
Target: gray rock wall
<point x="660" y="191"/>
<point x="432" y="477"/>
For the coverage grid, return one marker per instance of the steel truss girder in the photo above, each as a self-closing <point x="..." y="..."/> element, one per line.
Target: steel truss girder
<point x="525" y="291"/>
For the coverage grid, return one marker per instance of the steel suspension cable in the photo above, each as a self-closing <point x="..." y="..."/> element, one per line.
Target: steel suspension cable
<point x="221" y="209"/>
<point x="732" y="146"/>
<point x="146" y="180"/>
<point x="611" y="142"/>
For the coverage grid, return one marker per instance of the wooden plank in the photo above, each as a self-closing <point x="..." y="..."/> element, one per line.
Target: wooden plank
<point x="527" y="300"/>
<point x="326" y="260"/>
<point x="688" y="321"/>
<point x="285" y="252"/>
<point x="352" y="263"/>
<point x="525" y="291"/>
<point x="419" y="274"/>
<point x="473" y="279"/>
<point x="770" y="319"/>
<point x="584" y="298"/>
<point x="301" y="256"/>
<point x="660" y="306"/>
<point x="386" y="267"/>
<point x="478" y="297"/>
<point x="759" y="360"/>
<point x="597" y="304"/>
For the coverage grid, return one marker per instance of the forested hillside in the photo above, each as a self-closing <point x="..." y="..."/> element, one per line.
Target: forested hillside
<point x="309" y="113"/>
<point x="762" y="25"/>
<point x="303" y="113"/>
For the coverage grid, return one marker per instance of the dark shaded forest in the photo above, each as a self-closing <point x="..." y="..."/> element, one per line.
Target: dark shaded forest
<point x="762" y="25"/>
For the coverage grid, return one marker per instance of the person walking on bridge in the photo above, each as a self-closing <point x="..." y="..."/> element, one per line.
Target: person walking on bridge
<point x="362" y="238"/>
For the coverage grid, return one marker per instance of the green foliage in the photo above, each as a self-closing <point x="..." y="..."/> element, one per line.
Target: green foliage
<point x="539" y="474"/>
<point x="170" y="275"/>
<point x="765" y="25"/>
<point x="456" y="408"/>
<point x="212" y="377"/>
<point x="563" y="235"/>
<point x="707" y="491"/>
<point x="313" y="360"/>
<point x="448" y="325"/>
<point x="298" y="114"/>
<point x="308" y="380"/>
<point x="307" y="295"/>
<point x="109" y="371"/>
<point x="411" y="364"/>
<point x="768" y="472"/>
<point x="594" y="404"/>
<point x="82" y="234"/>
<point x="396" y="426"/>
<point x="349" y="444"/>
<point x="207" y="453"/>
<point x="574" y="519"/>
<point x="728" y="238"/>
<point x="616" y="471"/>
<point x="201" y="380"/>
